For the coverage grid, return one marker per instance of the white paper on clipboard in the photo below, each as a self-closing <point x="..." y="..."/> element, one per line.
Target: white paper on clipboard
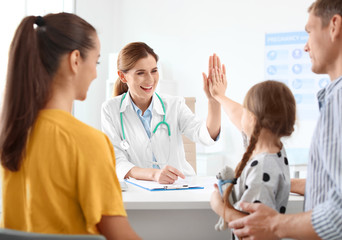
<point x="180" y="184"/>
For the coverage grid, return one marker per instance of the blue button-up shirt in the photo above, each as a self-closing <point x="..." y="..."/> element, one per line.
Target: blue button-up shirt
<point x="323" y="193"/>
<point x="146" y="119"/>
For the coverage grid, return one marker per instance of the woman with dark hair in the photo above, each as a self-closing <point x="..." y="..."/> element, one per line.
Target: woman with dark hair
<point x="145" y="128"/>
<point x="58" y="173"/>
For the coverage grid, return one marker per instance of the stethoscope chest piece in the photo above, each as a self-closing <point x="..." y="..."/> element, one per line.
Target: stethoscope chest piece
<point x="124" y="144"/>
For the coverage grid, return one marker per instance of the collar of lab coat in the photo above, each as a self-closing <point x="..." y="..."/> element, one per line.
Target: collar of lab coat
<point x="157" y="106"/>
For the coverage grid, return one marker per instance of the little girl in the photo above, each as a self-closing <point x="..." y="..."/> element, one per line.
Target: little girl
<point x="268" y="114"/>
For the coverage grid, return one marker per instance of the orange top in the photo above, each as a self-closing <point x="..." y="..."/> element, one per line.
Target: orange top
<point x="66" y="181"/>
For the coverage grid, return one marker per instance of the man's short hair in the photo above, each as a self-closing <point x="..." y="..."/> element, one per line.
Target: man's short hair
<point x="326" y="9"/>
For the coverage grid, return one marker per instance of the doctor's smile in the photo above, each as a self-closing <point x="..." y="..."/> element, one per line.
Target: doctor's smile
<point x="147" y="89"/>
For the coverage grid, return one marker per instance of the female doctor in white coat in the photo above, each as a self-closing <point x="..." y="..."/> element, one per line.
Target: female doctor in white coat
<point x="146" y="128"/>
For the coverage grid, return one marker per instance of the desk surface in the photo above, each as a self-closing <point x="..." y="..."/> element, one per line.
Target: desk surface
<point x="136" y="198"/>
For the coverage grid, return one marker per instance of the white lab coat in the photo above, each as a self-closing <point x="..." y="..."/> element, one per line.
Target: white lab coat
<point x="168" y="150"/>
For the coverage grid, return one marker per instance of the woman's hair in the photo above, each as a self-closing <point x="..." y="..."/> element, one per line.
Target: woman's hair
<point x="274" y="107"/>
<point x="127" y="59"/>
<point x="326" y="9"/>
<point x="34" y="57"/>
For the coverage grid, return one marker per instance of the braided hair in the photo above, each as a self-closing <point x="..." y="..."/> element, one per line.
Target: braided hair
<point x="274" y="108"/>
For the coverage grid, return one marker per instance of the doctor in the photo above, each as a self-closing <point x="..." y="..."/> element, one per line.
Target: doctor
<point x="146" y="128"/>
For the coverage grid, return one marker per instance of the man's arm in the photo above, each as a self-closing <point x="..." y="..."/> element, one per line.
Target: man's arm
<point x="266" y="223"/>
<point x="296" y="226"/>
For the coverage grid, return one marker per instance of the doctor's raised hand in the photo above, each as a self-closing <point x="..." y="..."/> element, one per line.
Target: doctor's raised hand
<point x="146" y="128"/>
<point x="220" y="86"/>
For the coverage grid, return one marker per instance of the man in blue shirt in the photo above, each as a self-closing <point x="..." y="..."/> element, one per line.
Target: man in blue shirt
<point x="322" y="218"/>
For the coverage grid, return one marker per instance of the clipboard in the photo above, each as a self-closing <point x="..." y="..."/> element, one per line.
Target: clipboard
<point x="180" y="184"/>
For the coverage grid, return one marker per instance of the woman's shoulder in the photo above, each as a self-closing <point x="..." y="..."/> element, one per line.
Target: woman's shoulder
<point x="73" y="127"/>
<point x="68" y="129"/>
<point x="82" y="131"/>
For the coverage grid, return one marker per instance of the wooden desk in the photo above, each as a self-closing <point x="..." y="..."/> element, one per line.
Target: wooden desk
<point x="179" y="214"/>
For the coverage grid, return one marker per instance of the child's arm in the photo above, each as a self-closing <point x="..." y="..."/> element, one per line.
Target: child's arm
<point x="217" y="87"/>
<point x="229" y="214"/>
<point x="298" y="186"/>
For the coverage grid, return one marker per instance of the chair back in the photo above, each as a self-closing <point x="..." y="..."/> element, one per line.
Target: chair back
<point x="190" y="146"/>
<point x="10" y="234"/>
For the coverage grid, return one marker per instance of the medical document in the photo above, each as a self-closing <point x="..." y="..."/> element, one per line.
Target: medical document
<point x="180" y="184"/>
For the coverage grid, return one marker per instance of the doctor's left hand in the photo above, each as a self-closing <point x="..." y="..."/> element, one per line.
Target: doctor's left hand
<point x="214" y="64"/>
<point x="168" y="175"/>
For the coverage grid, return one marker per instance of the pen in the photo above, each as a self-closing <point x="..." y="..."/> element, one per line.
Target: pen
<point x="176" y="187"/>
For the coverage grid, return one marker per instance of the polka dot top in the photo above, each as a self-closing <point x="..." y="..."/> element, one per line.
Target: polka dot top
<point x="265" y="179"/>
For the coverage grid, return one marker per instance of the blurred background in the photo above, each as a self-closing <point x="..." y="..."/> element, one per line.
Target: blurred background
<point x="256" y="40"/>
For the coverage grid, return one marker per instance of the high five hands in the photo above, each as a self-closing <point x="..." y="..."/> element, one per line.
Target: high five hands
<point x="215" y="84"/>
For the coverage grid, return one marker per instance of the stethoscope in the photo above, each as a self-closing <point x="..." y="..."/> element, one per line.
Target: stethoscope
<point x="124" y="144"/>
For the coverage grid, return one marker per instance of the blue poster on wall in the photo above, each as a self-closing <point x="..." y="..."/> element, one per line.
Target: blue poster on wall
<point x="286" y="61"/>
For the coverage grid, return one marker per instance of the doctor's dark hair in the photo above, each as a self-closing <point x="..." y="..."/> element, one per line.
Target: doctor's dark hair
<point x="127" y="59"/>
<point x="274" y="108"/>
<point x="326" y="9"/>
<point x="34" y="58"/>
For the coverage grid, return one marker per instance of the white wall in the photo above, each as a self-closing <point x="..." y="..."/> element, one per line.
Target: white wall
<point x="104" y="16"/>
<point x="184" y="33"/>
<point x="11" y="15"/>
